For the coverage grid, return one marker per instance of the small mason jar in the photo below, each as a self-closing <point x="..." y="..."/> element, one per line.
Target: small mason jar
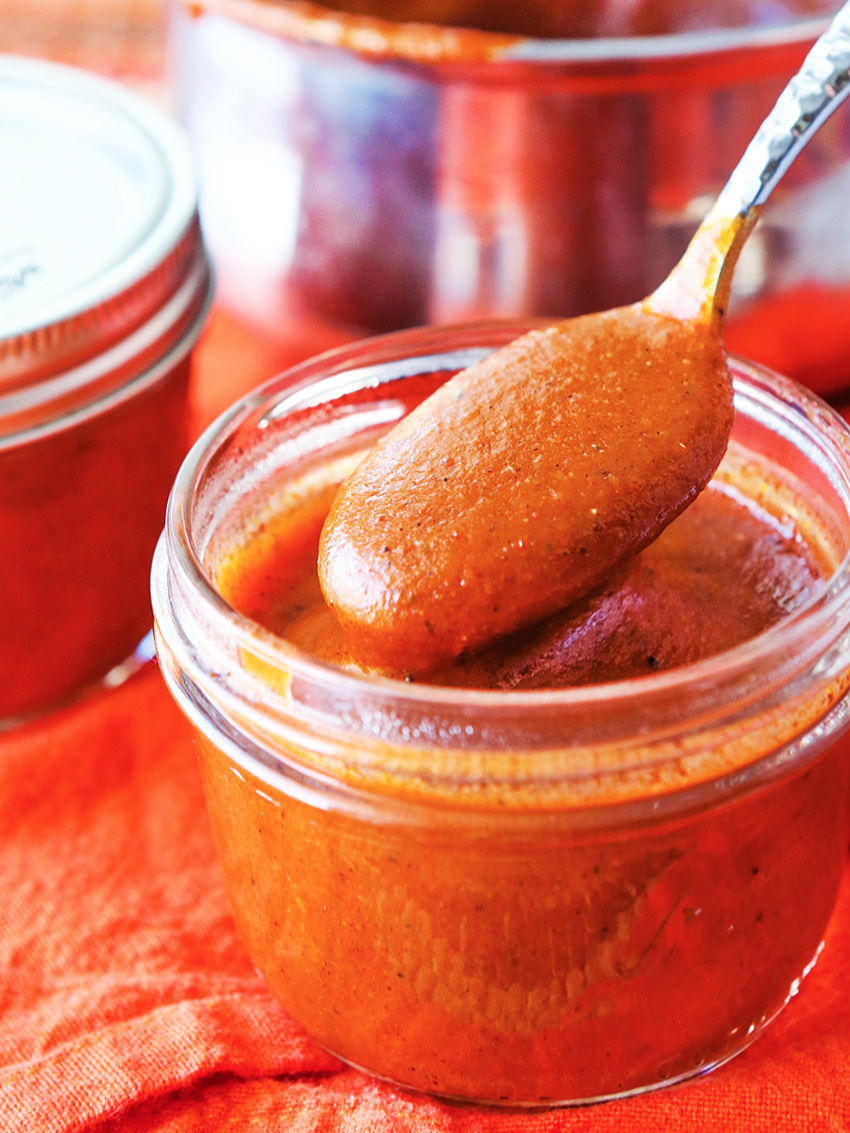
<point x="526" y="897"/>
<point x="104" y="287"/>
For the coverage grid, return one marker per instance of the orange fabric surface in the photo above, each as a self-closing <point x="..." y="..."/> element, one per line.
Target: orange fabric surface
<point x="127" y="1003"/>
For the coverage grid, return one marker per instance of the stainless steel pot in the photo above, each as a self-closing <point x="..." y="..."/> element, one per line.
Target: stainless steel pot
<point x="379" y="175"/>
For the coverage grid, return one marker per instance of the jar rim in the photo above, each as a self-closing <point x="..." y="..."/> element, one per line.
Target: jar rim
<point x="796" y="637"/>
<point x="64" y="403"/>
<point x="379" y="37"/>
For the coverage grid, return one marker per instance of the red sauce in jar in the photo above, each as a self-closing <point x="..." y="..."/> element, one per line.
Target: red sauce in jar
<point x="531" y="963"/>
<point x="722" y="572"/>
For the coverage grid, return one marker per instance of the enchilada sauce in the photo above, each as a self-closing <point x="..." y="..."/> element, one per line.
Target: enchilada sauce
<point x="722" y="572"/>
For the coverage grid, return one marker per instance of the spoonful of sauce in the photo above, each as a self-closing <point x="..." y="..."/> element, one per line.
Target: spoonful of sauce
<point x="517" y="486"/>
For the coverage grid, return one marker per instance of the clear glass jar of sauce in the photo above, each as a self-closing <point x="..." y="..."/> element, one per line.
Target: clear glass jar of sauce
<point x="104" y="287"/>
<point x="523" y="897"/>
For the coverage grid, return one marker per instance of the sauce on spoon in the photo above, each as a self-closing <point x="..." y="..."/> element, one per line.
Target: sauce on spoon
<point x="516" y="487"/>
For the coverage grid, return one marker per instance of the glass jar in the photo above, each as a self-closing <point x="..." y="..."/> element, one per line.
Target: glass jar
<point x="526" y="898"/>
<point x="104" y="287"/>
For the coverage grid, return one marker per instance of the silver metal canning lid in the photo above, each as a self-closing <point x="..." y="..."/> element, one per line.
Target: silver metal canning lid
<point x="102" y="268"/>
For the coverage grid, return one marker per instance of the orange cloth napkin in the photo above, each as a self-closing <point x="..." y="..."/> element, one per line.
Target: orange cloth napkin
<point x="127" y="1003"/>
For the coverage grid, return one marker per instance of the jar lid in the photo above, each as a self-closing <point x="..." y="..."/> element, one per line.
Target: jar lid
<point x="99" y="236"/>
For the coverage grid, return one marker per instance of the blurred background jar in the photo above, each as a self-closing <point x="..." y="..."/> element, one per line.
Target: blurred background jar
<point x="396" y="164"/>
<point x="104" y="288"/>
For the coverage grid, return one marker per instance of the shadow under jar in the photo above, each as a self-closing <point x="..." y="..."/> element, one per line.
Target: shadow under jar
<point x="104" y="287"/>
<point x="520" y="897"/>
<point x="377" y="173"/>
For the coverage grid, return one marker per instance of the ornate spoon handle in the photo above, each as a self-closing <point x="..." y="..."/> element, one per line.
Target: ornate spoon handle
<point x="698" y="287"/>
<point x="818" y="88"/>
